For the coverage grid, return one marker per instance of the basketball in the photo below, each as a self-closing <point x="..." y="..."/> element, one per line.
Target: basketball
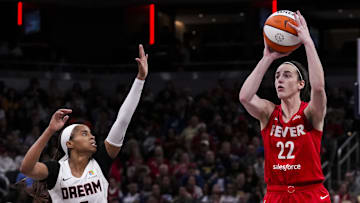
<point x="278" y="34"/>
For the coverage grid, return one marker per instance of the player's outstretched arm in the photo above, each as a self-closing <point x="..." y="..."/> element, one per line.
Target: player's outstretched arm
<point x="31" y="166"/>
<point x="257" y="107"/>
<point x="317" y="106"/>
<point x="117" y="132"/>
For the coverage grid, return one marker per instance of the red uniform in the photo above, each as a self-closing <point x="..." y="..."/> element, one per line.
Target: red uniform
<point x="292" y="159"/>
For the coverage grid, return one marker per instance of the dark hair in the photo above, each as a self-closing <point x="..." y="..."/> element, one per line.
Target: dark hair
<point x="305" y="92"/>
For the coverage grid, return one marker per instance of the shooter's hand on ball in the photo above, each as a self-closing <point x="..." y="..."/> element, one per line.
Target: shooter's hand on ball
<point x="302" y="29"/>
<point x="273" y="55"/>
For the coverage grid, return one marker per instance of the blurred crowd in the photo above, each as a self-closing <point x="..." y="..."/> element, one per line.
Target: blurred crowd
<point x="178" y="148"/>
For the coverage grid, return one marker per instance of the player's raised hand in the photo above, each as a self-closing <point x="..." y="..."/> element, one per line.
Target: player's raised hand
<point x="142" y="63"/>
<point x="273" y="54"/>
<point x="59" y="119"/>
<point x="301" y="28"/>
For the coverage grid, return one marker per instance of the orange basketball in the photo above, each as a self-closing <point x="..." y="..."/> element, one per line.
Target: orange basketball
<point x="278" y="34"/>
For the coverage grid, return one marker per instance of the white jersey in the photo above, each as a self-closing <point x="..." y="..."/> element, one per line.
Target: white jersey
<point x="92" y="186"/>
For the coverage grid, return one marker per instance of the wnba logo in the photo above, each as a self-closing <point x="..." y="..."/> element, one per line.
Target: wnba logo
<point x="279" y="37"/>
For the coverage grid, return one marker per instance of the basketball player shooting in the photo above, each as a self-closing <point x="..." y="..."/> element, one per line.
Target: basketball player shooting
<point x="80" y="175"/>
<point x="291" y="131"/>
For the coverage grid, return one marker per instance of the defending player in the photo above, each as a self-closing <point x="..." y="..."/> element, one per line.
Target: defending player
<point x="291" y="131"/>
<point x="79" y="176"/>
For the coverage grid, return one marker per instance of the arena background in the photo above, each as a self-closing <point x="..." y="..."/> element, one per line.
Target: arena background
<point x="190" y="139"/>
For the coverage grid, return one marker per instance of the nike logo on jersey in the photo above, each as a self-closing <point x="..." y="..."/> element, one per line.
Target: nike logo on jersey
<point x="65" y="179"/>
<point x="296" y="117"/>
<point x="323" y="197"/>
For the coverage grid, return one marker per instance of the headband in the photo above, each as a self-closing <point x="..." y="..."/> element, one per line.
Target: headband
<point x="65" y="137"/>
<point x="297" y="69"/>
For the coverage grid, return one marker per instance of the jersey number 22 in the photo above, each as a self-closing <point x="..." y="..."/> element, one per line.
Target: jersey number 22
<point x="288" y="144"/>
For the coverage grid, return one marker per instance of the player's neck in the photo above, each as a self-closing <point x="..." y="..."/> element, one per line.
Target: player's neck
<point x="290" y="106"/>
<point x="78" y="163"/>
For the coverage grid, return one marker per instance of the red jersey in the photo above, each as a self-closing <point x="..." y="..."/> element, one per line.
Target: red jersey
<point x="292" y="150"/>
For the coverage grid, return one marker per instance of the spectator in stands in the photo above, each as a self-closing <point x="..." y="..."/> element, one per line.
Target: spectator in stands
<point x="156" y="161"/>
<point x="192" y="188"/>
<point x="115" y="194"/>
<point x="133" y="195"/>
<point x="230" y="195"/>
<point x="183" y="196"/>
<point x="342" y="195"/>
<point x="208" y="166"/>
<point x="181" y="168"/>
<point x="167" y="188"/>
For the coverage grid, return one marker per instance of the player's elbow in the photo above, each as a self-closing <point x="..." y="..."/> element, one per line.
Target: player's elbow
<point x="243" y="98"/>
<point x="24" y="169"/>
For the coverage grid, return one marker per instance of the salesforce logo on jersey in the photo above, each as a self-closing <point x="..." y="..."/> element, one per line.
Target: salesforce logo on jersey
<point x="286" y="167"/>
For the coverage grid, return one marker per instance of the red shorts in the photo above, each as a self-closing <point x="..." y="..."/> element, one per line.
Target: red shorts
<point x="315" y="193"/>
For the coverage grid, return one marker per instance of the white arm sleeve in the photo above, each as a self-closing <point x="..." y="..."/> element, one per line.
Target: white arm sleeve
<point x="127" y="109"/>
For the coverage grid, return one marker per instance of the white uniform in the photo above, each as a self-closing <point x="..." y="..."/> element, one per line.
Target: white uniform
<point x="92" y="186"/>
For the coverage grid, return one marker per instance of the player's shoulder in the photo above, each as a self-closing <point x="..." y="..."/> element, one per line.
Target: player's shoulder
<point x="303" y="106"/>
<point x="268" y="120"/>
<point x="53" y="172"/>
<point x="275" y="112"/>
<point x="52" y="165"/>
